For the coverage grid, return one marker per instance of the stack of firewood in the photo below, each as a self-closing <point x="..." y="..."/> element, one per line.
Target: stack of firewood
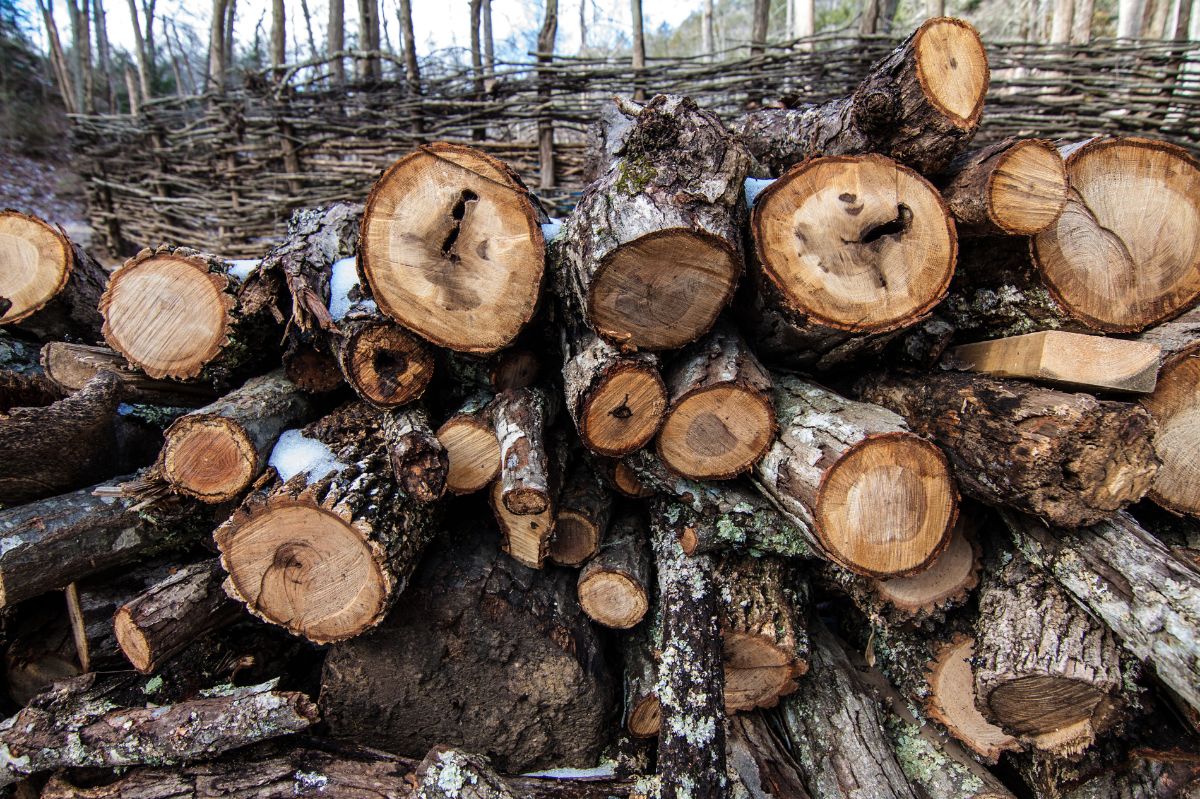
<point x="818" y="456"/>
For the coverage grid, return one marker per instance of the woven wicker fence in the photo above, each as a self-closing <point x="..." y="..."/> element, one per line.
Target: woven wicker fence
<point x="224" y="172"/>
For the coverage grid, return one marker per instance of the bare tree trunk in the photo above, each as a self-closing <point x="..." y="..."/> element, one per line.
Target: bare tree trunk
<point x="278" y="37"/>
<point x="1177" y="20"/>
<point x="227" y="39"/>
<point x="187" y="62"/>
<point x="175" y="68"/>
<point x="57" y="57"/>
<point x="312" y="40"/>
<point x="790" y="20"/>
<point x="216" y="47"/>
<point x="479" y="133"/>
<point x="489" y="48"/>
<point x="869" y="23"/>
<point x="935" y="8"/>
<point x="708" y="45"/>
<point x="583" y="26"/>
<point x="1081" y="29"/>
<point x="545" y="55"/>
<point x="335" y="39"/>
<point x="151" y="52"/>
<point x="1060" y="28"/>
<point x="1129" y="19"/>
<point x="805" y="20"/>
<point x="412" y="71"/>
<point x="761" y="21"/>
<point x="103" y="53"/>
<point x="368" y="39"/>
<point x="142" y="52"/>
<point x="131" y="90"/>
<point x="81" y="66"/>
<point x="639" y="51"/>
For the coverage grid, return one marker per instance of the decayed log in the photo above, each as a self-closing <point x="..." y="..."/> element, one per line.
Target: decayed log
<point x="520" y="419"/>
<point x="75" y="725"/>
<point x="483" y="653"/>
<point x="691" y="742"/>
<point x="419" y="461"/>
<point x="582" y="517"/>
<point x="51" y="286"/>
<point x="1129" y="580"/>
<point x="1071" y="360"/>
<point x="70" y="366"/>
<point x="763" y="610"/>
<point x="309" y="364"/>
<point x="384" y="363"/>
<point x="614" y="587"/>
<point x="53" y="542"/>
<point x="511" y="368"/>
<point x="1045" y="671"/>
<point x="215" y="453"/>
<point x="1146" y="773"/>
<point x="472" y="449"/>
<point x="1068" y="458"/>
<point x="447" y="773"/>
<point x="1175" y="406"/>
<point x="325" y="549"/>
<point x="175" y="312"/>
<point x="1016" y="187"/>
<point x="920" y="105"/>
<point x="760" y="761"/>
<point x="847" y="251"/>
<point x="671" y="195"/>
<point x="836" y="730"/>
<point x="880" y="499"/>
<point x="642" y="711"/>
<point x="721" y="420"/>
<point x="163" y="620"/>
<point x="616" y="400"/>
<point x="452" y="248"/>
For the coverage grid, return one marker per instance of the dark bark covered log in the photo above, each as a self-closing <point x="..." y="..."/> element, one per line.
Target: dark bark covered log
<point x="642" y="711"/>
<point x="53" y="542"/>
<point x="447" y="773"/>
<point x="880" y="500"/>
<point x="92" y="604"/>
<point x="215" y="453"/>
<point x="582" y="517"/>
<point x="671" y="195"/>
<point x="472" y="450"/>
<point x="764" y="630"/>
<point x="1045" y="671"/>
<point x="1146" y="774"/>
<point x="691" y="743"/>
<point x="452" y="248"/>
<point x="1129" y="580"/>
<point x="385" y="364"/>
<point x="760" y="761"/>
<point x="71" y="366"/>
<point x="1068" y="458"/>
<point x="521" y="419"/>
<point x="847" y="251"/>
<point x="721" y="420"/>
<point x="1016" y="187"/>
<point x="484" y="654"/>
<point x="325" y="549"/>
<point x="836" y="730"/>
<point x="51" y="286"/>
<point x="40" y="650"/>
<point x="163" y="620"/>
<point x="419" y="461"/>
<point x="920" y="105"/>
<point x="308" y="363"/>
<point x="76" y="725"/>
<point x="614" y="587"/>
<point x="511" y="368"/>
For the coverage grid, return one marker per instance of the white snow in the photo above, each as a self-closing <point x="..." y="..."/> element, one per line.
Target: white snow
<point x="241" y="269"/>
<point x="124" y="409"/>
<point x="341" y="281"/>
<point x="294" y="453"/>
<point x="605" y="770"/>
<point x="551" y="229"/>
<point x="754" y="186"/>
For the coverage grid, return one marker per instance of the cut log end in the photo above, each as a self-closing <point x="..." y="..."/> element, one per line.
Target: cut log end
<point x="211" y="459"/>
<point x="612" y="599"/>
<point x="859" y="244"/>
<point x="635" y="303"/>
<point x="527" y="501"/>
<point x="452" y="249"/>
<point x="952" y="702"/>
<point x="167" y="314"/>
<point x="717" y="433"/>
<point x="887" y="507"/>
<point x="645" y="717"/>
<point x="1028" y="188"/>
<point x="952" y="68"/>
<point x="526" y="535"/>
<point x="1175" y="406"/>
<point x="387" y="365"/>
<point x="473" y="453"/>
<point x="1042" y="705"/>
<point x="575" y="538"/>
<point x="626" y="481"/>
<point x="132" y="641"/>
<point x="949" y="578"/>
<point x="757" y="673"/>
<point x="305" y="569"/>
<point x="1149" y="257"/>
<point x="35" y="264"/>
<point x="623" y="413"/>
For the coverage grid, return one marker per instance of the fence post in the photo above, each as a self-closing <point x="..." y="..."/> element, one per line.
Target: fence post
<point x="545" y="122"/>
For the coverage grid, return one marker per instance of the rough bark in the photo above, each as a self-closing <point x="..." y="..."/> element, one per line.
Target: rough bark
<point x="419" y="461"/>
<point x="1069" y="458"/>
<point x="581" y="521"/>
<point x="527" y="536"/>
<point x="1146" y="773"/>
<point x="460" y="653"/>
<point x="385" y="364"/>
<point x="760" y="761"/>
<point x="1016" y="187"/>
<point x="162" y="621"/>
<point x="642" y="712"/>
<point x="520" y="419"/>
<point x="910" y="107"/>
<point x="71" y="366"/>
<point x="472" y="450"/>
<point x="614" y="586"/>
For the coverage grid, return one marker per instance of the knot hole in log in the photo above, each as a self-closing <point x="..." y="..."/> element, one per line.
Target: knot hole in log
<point x="391" y="369"/>
<point x="458" y="213"/>
<point x="622" y="411"/>
<point x="896" y="227"/>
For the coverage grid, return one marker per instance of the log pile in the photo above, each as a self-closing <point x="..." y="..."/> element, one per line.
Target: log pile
<point x="823" y="456"/>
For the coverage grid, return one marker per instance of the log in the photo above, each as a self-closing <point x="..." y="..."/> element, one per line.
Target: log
<point x="614" y="586"/>
<point x="520" y="419"/>
<point x="760" y="760"/>
<point x="880" y="500"/>
<point x="40" y="650"/>
<point x="216" y="452"/>
<point x="70" y="366"/>
<point x="720" y="421"/>
<point x="616" y="400"/>
<point x="308" y="363"/>
<point x="451" y="247"/>
<point x="324" y="549"/>
<point x="1146" y="773"/>
<point x="419" y="461"/>
<point x="671" y="194"/>
<point x="51" y="285"/>
<point x="625" y="481"/>
<point x="92" y="603"/>
<point x="847" y="251"/>
<point x="163" y="620"/>
<point x="483" y="654"/>
<point x="581" y="521"/>
<point x="1045" y="671"/>
<point x="75" y="725"/>
<point x="385" y="364"/>
<point x="1016" y="187"/>
<point x="1068" y="360"/>
<point x="448" y="773"/>
<point x="642" y="710"/>
<point x="527" y="537"/>
<point x="175" y="312"/>
<point x="691" y="742"/>
<point x="763" y="610"/>
<point x="920" y="105"/>
<point x="1176" y="408"/>
<point x="1130" y="581"/>
<point x="472" y="449"/>
<point x="1069" y="458"/>
<point x="836" y="730"/>
<point x="53" y="542"/>
<point x="511" y="368"/>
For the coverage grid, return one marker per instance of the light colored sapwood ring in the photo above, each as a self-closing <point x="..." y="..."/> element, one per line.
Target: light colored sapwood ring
<point x="35" y="264"/>
<point x="209" y="458"/>
<point x="952" y="69"/>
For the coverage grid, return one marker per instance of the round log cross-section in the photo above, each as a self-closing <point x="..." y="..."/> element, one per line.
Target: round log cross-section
<point x="35" y="263"/>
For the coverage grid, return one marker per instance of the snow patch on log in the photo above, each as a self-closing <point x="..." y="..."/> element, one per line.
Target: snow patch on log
<point x="240" y="268"/>
<point x="754" y="186"/>
<point x="343" y="280"/>
<point x="295" y="453"/>
<point x="551" y="229"/>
